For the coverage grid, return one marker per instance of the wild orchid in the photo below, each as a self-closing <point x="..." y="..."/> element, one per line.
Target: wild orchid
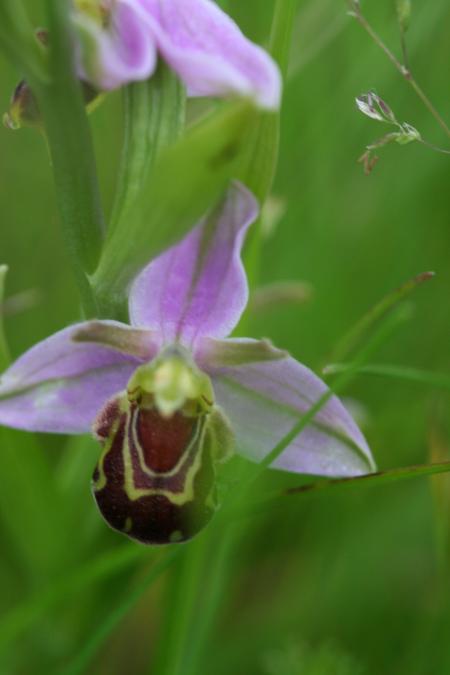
<point x="119" y="41"/>
<point x="170" y="397"/>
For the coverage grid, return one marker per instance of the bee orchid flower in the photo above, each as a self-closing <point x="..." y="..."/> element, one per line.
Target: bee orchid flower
<point x="170" y="396"/>
<point x="119" y="41"/>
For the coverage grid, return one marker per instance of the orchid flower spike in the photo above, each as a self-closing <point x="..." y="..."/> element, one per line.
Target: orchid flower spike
<point x="169" y="397"/>
<point x="119" y="42"/>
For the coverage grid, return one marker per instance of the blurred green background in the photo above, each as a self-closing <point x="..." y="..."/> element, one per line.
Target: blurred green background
<point x="347" y="583"/>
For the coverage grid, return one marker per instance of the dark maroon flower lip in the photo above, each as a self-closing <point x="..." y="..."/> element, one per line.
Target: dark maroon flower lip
<point x="155" y="481"/>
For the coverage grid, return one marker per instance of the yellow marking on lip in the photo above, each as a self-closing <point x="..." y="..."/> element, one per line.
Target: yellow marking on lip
<point x="102" y="480"/>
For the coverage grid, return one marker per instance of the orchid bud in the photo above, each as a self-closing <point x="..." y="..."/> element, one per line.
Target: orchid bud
<point x="373" y="106"/>
<point x="23" y="110"/>
<point x="156" y="479"/>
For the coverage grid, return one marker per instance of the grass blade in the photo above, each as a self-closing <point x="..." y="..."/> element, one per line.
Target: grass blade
<point x="391" y="300"/>
<point x="398" y="372"/>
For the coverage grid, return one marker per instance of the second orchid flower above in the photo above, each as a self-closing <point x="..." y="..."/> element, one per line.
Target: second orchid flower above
<point x="119" y="41"/>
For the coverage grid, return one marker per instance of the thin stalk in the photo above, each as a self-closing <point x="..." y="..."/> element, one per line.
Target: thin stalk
<point x="372" y="479"/>
<point x="377" y="312"/>
<point x="4" y="349"/>
<point x="398" y="372"/>
<point x="72" y="154"/>
<point x="340" y="383"/>
<point x="223" y="543"/>
<point x="281" y="34"/>
<point x="183" y="590"/>
<point x="355" y="11"/>
<point x="260" y="164"/>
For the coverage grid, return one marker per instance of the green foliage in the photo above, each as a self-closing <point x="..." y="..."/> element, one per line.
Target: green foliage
<point x="353" y="583"/>
<point x="200" y="165"/>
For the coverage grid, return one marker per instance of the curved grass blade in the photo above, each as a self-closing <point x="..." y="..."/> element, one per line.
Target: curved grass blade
<point x="384" y="331"/>
<point x="398" y="372"/>
<point x="391" y="300"/>
<point x="372" y="479"/>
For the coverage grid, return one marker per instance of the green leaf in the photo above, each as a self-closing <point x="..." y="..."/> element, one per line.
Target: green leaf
<point x="185" y="182"/>
<point x="154" y="113"/>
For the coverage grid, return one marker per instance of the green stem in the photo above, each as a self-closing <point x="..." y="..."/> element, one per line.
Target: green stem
<point x="4" y="349"/>
<point x="260" y="161"/>
<point x="51" y="74"/>
<point x="281" y="35"/>
<point x="222" y="544"/>
<point x="187" y="577"/>
<point x="72" y="153"/>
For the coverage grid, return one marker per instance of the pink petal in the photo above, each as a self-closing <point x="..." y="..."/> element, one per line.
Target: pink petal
<point x="264" y="400"/>
<point x="59" y="385"/>
<point x="210" y="53"/>
<point x="122" y="52"/>
<point x="198" y="287"/>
